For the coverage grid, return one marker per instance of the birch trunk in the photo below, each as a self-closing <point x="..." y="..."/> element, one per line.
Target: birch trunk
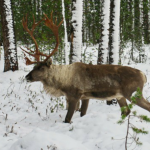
<point x="9" y="42"/>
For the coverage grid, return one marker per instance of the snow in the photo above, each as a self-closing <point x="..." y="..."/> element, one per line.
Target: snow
<point x="48" y="139"/>
<point x="134" y="94"/>
<point x="32" y="120"/>
<point x="77" y="24"/>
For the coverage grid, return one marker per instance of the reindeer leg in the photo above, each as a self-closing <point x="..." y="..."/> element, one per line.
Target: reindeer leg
<point x="143" y="103"/>
<point x="67" y="104"/>
<point x="123" y="103"/>
<point x="77" y="105"/>
<point x="71" y="109"/>
<point x="84" y="106"/>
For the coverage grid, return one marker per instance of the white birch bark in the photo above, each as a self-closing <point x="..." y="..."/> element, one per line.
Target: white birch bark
<point x="105" y="38"/>
<point x="116" y="34"/>
<point x="11" y="36"/>
<point x="77" y="24"/>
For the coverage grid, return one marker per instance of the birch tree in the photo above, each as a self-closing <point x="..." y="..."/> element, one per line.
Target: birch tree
<point x="76" y="37"/>
<point x="9" y="43"/>
<point x="114" y="32"/>
<point x="104" y="26"/>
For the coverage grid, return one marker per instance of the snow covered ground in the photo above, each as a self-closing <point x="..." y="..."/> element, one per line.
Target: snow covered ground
<point x="32" y="120"/>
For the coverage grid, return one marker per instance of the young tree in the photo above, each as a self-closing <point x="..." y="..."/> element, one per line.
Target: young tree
<point x="9" y="43"/>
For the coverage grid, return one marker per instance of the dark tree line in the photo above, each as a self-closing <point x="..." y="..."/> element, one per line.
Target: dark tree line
<point x="130" y="13"/>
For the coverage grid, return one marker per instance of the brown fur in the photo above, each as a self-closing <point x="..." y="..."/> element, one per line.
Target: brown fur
<point x="81" y="81"/>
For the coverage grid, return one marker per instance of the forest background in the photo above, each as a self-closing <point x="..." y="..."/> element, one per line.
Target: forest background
<point x="134" y="25"/>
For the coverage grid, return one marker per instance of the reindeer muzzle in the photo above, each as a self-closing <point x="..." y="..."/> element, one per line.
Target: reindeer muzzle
<point x="29" y="78"/>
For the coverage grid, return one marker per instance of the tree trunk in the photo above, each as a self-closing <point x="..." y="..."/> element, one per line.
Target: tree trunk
<point x="9" y="43"/>
<point x="100" y="46"/>
<point x="104" y="26"/>
<point x="71" y="45"/>
<point x="76" y="31"/>
<point x="1" y="40"/>
<point x="111" y="29"/>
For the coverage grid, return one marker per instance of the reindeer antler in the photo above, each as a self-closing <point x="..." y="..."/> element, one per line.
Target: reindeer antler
<point x="36" y="55"/>
<point x="49" y="23"/>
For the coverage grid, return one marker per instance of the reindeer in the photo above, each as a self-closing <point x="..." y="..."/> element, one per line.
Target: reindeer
<point x="83" y="81"/>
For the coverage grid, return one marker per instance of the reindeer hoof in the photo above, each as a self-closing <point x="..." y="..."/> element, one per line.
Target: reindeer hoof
<point x="67" y="122"/>
<point x="82" y="114"/>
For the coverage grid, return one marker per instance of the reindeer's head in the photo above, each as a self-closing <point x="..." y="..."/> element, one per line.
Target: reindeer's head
<point x="40" y="71"/>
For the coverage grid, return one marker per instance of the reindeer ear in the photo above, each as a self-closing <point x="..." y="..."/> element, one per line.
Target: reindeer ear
<point x="49" y="62"/>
